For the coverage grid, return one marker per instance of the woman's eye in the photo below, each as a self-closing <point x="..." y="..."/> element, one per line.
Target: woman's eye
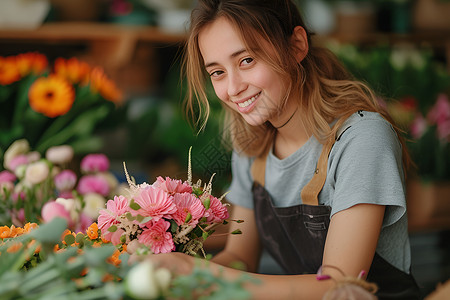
<point x="247" y="61"/>
<point x="215" y="73"/>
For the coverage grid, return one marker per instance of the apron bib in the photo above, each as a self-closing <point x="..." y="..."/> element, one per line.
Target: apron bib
<point x="295" y="236"/>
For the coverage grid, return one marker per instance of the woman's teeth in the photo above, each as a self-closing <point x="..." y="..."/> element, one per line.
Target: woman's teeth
<point x="249" y="101"/>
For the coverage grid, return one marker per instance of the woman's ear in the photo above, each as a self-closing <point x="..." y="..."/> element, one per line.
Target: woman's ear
<point x="299" y="41"/>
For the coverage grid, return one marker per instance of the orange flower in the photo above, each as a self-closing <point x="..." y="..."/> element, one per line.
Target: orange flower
<point x="31" y="62"/>
<point x="7" y="232"/>
<point x="16" y="246"/>
<point x="9" y="72"/>
<point x="52" y="96"/>
<point x="92" y="231"/>
<point x="29" y="226"/>
<point x="114" y="259"/>
<point x="31" y="244"/>
<point x="100" y="83"/>
<point x="73" y="70"/>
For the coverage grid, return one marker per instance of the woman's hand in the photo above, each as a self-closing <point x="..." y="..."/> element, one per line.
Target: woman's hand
<point x="176" y="262"/>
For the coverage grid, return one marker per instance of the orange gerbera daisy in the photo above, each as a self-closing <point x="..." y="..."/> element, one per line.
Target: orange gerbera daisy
<point x="100" y="83"/>
<point x="52" y="96"/>
<point x="31" y="62"/>
<point x="73" y="70"/>
<point x="9" y="72"/>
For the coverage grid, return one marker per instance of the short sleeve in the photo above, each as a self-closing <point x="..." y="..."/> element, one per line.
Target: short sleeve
<point x="368" y="169"/>
<point x="240" y="192"/>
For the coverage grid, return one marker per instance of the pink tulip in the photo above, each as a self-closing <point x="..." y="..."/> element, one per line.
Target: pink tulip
<point x="65" y="181"/>
<point x="93" y="184"/>
<point x="93" y="163"/>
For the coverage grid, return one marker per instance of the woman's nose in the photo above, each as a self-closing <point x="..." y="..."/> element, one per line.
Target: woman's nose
<point x="235" y="84"/>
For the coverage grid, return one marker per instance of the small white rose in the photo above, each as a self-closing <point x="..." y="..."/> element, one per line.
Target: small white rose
<point x="36" y="172"/>
<point x="73" y="207"/>
<point x="141" y="283"/>
<point x="93" y="202"/>
<point x="163" y="279"/>
<point x="59" y="154"/>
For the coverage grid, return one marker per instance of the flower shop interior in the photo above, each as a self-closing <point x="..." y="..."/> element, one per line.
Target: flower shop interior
<point x="121" y="99"/>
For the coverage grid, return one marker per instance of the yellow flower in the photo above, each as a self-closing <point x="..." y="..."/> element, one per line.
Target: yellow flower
<point x="100" y="83"/>
<point x="52" y="96"/>
<point x="9" y="72"/>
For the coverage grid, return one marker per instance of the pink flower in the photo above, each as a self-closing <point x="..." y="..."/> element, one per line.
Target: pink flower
<point x="114" y="208"/>
<point x="65" y="181"/>
<point x="440" y="112"/>
<point x="418" y="127"/>
<point x="17" y="161"/>
<point x="157" y="237"/>
<point x="93" y="163"/>
<point x="172" y="186"/>
<point x="187" y="204"/>
<point x="59" y="154"/>
<point x="154" y="203"/>
<point x="217" y="212"/>
<point x="6" y="176"/>
<point x="93" y="184"/>
<point x="443" y="130"/>
<point x="84" y="223"/>
<point x="53" y="209"/>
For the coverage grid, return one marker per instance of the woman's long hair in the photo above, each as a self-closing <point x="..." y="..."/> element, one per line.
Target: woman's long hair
<point x="324" y="89"/>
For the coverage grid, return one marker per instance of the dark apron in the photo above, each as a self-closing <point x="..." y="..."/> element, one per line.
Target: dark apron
<point x="295" y="236"/>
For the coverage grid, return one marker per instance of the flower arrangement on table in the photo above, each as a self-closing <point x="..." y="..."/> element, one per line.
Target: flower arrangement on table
<point x="35" y="189"/>
<point x="53" y="105"/>
<point x="428" y="135"/>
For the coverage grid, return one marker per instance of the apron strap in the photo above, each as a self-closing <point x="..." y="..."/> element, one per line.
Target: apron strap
<point x="311" y="190"/>
<point x="258" y="169"/>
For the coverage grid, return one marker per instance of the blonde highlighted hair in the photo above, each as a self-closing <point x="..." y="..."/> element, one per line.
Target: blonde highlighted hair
<point x="324" y="89"/>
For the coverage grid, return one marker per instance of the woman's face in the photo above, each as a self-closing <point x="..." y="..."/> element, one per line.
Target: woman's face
<point x="244" y="83"/>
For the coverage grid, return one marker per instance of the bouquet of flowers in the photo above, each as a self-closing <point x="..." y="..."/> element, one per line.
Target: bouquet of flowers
<point x="168" y="215"/>
<point x="55" y="105"/>
<point x="428" y="133"/>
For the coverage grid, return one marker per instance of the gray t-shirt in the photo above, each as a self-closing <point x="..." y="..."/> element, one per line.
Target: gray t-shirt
<point x="364" y="166"/>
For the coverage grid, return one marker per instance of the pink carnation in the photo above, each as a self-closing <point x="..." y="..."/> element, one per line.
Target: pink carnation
<point x="188" y="204"/>
<point x="154" y="203"/>
<point x="114" y="208"/>
<point x="172" y="186"/>
<point x="217" y="212"/>
<point x="157" y="237"/>
<point x="93" y="184"/>
<point x="93" y="163"/>
<point x="6" y="176"/>
<point x="65" y="181"/>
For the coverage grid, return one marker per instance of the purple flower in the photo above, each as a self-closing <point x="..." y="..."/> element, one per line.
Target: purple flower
<point x="93" y="163"/>
<point x="65" y="181"/>
<point x="93" y="184"/>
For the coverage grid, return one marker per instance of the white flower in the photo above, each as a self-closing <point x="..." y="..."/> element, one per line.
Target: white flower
<point x="72" y="206"/>
<point x="33" y="156"/>
<point x="141" y="281"/>
<point x="16" y="148"/>
<point x="93" y="202"/>
<point x="163" y="279"/>
<point x="36" y="172"/>
<point x="59" y="154"/>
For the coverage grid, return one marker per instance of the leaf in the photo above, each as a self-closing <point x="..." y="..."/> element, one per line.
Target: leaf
<point x="134" y="205"/>
<point x="50" y="232"/>
<point x="237" y="231"/>
<point x="112" y="228"/>
<point x="69" y="239"/>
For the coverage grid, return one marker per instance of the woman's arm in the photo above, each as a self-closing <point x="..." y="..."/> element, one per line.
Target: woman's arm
<point x="350" y="246"/>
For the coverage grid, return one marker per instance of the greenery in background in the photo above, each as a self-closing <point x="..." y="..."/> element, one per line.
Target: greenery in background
<point x="410" y="80"/>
